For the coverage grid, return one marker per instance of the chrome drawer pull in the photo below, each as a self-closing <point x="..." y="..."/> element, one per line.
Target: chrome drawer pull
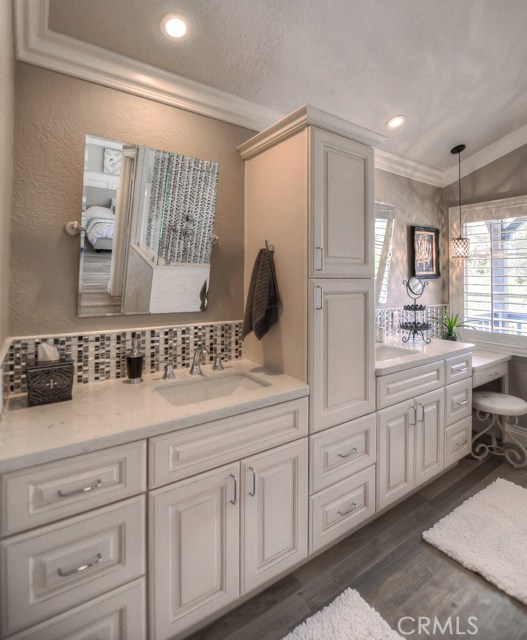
<point x="461" y="444"/>
<point x="347" y="455"/>
<point x="494" y="375"/>
<point x="235" y="478"/>
<point x="354" y="506"/>
<point x="253" y="492"/>
<point x="83" y="567"/>
<point x="458" y="370"/>
<point x="321" y="249"/>
<point x="462" y="404"/>
<point x="77" y="492"/>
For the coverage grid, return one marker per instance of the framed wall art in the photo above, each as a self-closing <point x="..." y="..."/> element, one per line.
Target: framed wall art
<point x="425" y="252"/>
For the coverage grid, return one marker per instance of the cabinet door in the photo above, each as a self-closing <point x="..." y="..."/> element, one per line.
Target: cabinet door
<point x="429" y="436"/>
<point x="341" y="207"/>
<point x="275" y="506"/>
<point x="396" y="452"/>
<point x="194" y="550"/>
<point x="341" y="359"/>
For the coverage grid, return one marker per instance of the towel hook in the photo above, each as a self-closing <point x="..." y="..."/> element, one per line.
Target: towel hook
<point x="270" y="247"/>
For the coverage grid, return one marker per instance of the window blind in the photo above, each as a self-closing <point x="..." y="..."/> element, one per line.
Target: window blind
<point x="495" y="276"/>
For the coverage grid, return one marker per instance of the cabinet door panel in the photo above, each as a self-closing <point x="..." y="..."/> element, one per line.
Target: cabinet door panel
<point x="341" y="362"/>
<point x="194" y="533"/>
<point x="396" y="452"/>
<point x="342" y="200"/>
<point x="430" y="436"/>
<point x="275" y="512"/>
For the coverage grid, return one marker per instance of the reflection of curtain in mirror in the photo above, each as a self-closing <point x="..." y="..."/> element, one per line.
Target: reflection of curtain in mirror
<point x="182" y="207"/>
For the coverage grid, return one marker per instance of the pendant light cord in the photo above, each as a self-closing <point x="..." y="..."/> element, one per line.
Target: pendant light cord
<point x="459" y="191"/>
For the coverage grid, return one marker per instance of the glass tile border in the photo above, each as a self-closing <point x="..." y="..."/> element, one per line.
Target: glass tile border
<point x="102" y="356"/>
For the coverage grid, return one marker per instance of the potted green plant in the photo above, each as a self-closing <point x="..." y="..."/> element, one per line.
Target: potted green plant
<point x="450" y="324"/>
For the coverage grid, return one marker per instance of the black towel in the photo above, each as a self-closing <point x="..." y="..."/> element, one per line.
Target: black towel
<point x="261" y="309"/>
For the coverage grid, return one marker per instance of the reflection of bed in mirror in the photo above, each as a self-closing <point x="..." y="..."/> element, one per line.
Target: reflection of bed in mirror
<point x="99" y="217"/>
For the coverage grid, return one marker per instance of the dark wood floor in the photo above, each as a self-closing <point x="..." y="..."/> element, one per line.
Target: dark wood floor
<point x="394" y="570"/>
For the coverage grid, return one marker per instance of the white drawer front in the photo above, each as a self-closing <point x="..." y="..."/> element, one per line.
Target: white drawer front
<point x="339" y="452"/>
<point x="184" y="453"/>
<point x="50" y="570"/>
<point x="457" y="440"/>
<point x="458" y="368"/>
<point x="458" y="401"/>
<point x="491" y="373"/>
<point x="403" y="385"/>
<point x="48" y="492"/>
<point x="118" y="615"/>
<point x="341" y="508"/>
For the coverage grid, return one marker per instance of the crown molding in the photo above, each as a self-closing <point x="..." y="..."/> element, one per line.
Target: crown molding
<point x="303" y="117"/>
<point x="488" y="154"/>
<point x="36" y="44"/>
<point x="408" y="168"/>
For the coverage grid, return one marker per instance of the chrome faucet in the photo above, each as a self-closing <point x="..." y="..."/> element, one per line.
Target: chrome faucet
<point x="168" y="373"/>
<point x="195" y="368"/>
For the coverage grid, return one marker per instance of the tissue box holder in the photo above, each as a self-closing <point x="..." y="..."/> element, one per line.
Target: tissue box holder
<point x="49" y="382"/>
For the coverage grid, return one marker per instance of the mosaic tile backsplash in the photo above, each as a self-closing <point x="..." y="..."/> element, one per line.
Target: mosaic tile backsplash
<point x="102" y="356"/>
<point x="390" y="319"/>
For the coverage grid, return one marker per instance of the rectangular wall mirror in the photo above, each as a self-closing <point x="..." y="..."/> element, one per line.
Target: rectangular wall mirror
<point x="147" y="230"/>
<point x="384" y="227"/>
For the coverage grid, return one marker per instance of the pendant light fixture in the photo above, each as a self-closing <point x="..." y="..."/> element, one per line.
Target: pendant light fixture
<point x="459" y="247"/>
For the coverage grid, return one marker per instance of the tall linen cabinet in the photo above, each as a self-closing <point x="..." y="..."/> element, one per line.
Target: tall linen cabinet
<point x="309" y="192"/>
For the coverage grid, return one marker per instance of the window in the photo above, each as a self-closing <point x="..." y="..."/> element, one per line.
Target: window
<point x="491" y="285"/>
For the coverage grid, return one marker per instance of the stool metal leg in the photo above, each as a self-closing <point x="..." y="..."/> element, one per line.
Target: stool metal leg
<point x="515" y="453"/>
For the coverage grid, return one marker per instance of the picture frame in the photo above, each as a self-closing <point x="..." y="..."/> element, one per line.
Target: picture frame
<point x="425" y="252"/>
<point x="112" y="161"/>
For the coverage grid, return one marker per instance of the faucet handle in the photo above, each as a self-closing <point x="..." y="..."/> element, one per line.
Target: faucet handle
<point x="218" y="364"/>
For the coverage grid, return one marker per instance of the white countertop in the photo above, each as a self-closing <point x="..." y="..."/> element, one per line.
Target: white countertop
<point x="481" y="358"/>
<point x="104" y="414"/>
<point x="419" y="353"/>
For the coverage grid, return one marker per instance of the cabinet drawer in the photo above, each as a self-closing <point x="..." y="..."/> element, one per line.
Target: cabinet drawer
<point x="48" y="492"/>
<point x="458" y="368"/>
<point x="458" y="440"/>
<point x="184" y="453"/>
<point x="339" y="452"/>
<point x="341" y="508"/>
<point x="458" y="401"/>
<point x="117" y="615"/>
<point x="403" y="385"/>
<point x="491" y="373"/>
<point x="50" y="570"/>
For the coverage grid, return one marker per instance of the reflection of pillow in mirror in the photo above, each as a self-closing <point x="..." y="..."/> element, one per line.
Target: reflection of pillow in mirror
<point x="99" y="212"/>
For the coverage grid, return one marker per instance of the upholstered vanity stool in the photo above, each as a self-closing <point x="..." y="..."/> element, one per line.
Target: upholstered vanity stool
<point x="500" y="407"/>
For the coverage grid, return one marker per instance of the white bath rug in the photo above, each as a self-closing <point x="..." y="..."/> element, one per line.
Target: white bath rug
<point x="348" y="617"/>
<point x="488" y="534"/>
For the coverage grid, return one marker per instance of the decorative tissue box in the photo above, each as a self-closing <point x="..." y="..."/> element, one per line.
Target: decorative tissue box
<point x="49" y="382"/>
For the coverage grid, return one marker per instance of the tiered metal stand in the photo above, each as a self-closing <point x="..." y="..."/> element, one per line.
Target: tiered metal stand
<point x="416" y="327"/>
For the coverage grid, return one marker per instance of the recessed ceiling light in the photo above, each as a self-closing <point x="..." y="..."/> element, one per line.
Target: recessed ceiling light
<point x="395" y="122"/>
<point x="174" y="26"/>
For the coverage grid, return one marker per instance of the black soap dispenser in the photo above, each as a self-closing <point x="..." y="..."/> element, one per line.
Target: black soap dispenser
<point x="134" y="363"/>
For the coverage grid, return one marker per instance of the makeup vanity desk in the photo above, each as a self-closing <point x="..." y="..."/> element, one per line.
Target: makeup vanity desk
<point x="488" y="366"/>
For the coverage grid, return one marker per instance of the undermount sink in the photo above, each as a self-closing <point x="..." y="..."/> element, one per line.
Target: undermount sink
<point x="386" y="352"/>
<point x="203" y="388"/>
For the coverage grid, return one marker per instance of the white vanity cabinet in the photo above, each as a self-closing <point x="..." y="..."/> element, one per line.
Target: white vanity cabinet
<point x="342" y="217"/>
<point x="72" y="555"/>
<point x="411" y="445"/>
<point x="309" y="191"/>
<point x="221" y="534"/>
<point x="420" y="434"/>
<point x="341" y="351"/>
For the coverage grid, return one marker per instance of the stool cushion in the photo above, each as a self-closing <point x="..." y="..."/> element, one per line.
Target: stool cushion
<point x="498" y="403"/>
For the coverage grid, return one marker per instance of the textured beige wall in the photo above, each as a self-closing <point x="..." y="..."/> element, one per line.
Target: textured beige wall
<point x="418" y="204"/>
<point x="53" y="114"/>
<point x="7" y="97"/>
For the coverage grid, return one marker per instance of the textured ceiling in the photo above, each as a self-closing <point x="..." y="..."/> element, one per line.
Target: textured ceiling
<point x="456" y="69"/>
